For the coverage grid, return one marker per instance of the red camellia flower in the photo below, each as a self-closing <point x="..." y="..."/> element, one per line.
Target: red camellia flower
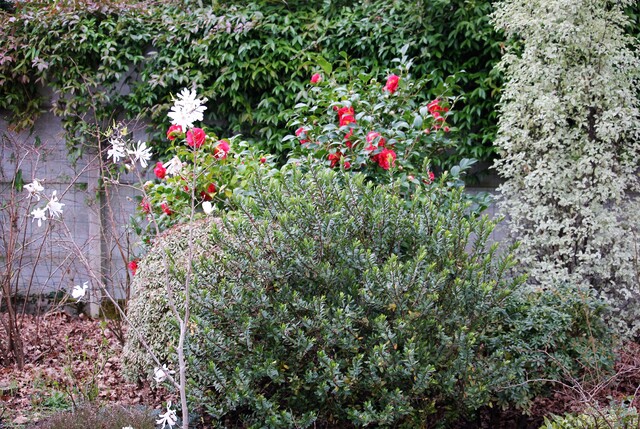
<point x="160" y="171"/>
<point x="385" y="159"/>
<point x="221" y="150"/>
<point x="430" y="179"/>
<point x="301" y="133"/>
<point x="165" y="208"/>
<point x="347" y="138"/>
<point x="335" y="158"/>
<point x="133" y="266"/>
<point x="346" y="116"/>
<point x="207" y="194"/>
<point x="316" y="78"/>
<point x="434" y="106"/>
<point x="371" y="137"/>
<point x="173" y="132"/>
<point x="195" y="137"/>
<point x="392" y="83"/>
<point x="146" y="207"/>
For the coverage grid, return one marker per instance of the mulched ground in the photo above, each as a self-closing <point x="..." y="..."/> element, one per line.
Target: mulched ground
<point x="64" y="357"/>
<point x="65" y="354"/>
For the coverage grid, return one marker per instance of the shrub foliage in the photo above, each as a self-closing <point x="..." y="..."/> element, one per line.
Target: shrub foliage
<point x="327" y="301"/>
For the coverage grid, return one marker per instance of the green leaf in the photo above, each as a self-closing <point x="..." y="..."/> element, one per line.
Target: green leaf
<point x="18" y="182"/>
<point x="324" y="64"/>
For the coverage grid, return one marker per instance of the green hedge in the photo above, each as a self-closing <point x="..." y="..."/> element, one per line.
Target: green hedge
<point x="326" y="301"/>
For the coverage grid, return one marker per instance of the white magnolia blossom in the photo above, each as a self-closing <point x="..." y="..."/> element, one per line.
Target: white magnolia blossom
<point x="54" y="206"/>
<point x="168" y="418"/>
<point x="78" y="292"/>
<point x="160" y="374"/>
<point x="173" y="166"/>
<point x="40" y="215"/>
<point x="127" y="427"/>
<point x="117" y="150"/>
<point x="34" y="188"/>
<point x="207" y="207"/>
<point x="187" y="109"/>
<point x="141" y="153"/>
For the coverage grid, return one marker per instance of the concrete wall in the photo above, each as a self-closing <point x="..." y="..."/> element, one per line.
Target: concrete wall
<point x="81" y="246"/>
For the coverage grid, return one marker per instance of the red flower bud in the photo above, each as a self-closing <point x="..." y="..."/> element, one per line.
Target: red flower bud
<point x="173" y="132"/>
<point x="165" y="208"/>
<point x="133" y="266"/>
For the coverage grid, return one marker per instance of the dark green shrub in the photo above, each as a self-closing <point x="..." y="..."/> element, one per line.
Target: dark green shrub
<point x="339" y="303"/>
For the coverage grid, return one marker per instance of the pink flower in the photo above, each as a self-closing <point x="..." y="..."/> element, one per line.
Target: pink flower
<point x="165" y="208"/>
<point x="221" y="150"/>
<point x="371" y="137"/>
<point x="195" y="137"/>
<point x="145" y="206"/>
<point x="160" y="171"/>
<point x="301" y="133"/>
<point x="133" y="266"/>
<point x="430" y="178"/>
<point x="316" y="78"/>
<point x="392" y="83"/>
<point x="385" y="159"/>
<point x="173" y="132"/>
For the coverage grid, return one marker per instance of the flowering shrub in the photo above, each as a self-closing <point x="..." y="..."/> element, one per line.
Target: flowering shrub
<point x="351" y="120"/>
<point x="201" y="174"/>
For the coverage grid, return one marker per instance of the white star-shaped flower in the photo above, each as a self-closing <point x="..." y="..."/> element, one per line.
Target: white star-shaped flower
<point x="117" y="150"/>
<point x="207" y="207"/>
<point x="34" y="188"/>
<point x="168" y="418"/>
<point x="187" y="109"/>
<point x="141" y="153"/>
<point x="40" y="215"/>
<point x="173" y="166"/>
<point x="161" y="373"/>
<point x="54" y="206"/>
<point x="78" y="292"/>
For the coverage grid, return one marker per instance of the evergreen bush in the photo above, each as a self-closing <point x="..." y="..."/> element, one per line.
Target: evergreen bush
<point x="325" y="300"/>
<point x="569" y="141"/>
